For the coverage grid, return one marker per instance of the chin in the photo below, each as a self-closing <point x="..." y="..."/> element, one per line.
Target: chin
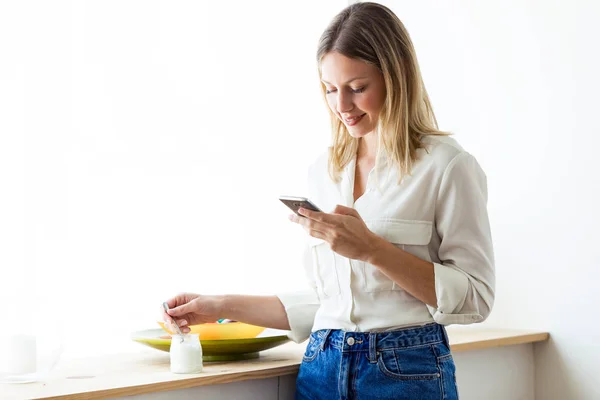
<point x="358" y="133"/>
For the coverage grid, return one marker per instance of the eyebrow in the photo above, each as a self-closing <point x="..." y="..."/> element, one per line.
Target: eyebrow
<point x="351" y="80"/>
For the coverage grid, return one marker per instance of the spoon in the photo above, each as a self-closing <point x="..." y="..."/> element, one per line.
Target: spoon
<point x="166" y="307"/>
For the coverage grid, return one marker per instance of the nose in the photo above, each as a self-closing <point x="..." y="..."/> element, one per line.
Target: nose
<point x="344" y="102"/>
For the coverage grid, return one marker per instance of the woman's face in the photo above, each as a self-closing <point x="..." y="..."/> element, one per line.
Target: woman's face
<point x="355" y="92"/>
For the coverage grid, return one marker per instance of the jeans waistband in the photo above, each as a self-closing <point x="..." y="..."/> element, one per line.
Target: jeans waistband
<point x="373" y="341"/>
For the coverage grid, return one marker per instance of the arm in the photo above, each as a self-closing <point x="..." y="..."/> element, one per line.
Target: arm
<point x="192" y="309"/>
<point x="414" y="275"/>
<point x="267" y="311"/>
<point x="460" y="288"/>
<point x="293" y="311"/>
<point x="465" y="275"/>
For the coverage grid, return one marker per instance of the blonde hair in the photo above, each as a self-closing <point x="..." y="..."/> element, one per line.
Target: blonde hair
<point x="372" y="33"/>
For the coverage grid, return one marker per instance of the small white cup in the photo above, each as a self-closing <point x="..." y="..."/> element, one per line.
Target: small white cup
<point x="186" y="354"/>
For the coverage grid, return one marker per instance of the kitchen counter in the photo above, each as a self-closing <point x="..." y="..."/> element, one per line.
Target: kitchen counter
<point x="147" y="371"/>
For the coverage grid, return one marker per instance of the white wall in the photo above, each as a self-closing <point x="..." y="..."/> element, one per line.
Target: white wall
<point x="518" y="83"/>
<point x="500" y="373"/>
<point x="143" y="147"/>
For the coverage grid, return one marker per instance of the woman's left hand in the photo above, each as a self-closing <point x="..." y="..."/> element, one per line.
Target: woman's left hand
<point x="344" y="230"/>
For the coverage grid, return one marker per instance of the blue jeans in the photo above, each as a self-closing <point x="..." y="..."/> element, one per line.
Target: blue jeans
<point x="412" y="363"/>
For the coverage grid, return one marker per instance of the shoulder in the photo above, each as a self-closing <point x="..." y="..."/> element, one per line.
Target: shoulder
<point x="450" y="160"/>
<point x="443" y="151"/>
<point x="442" y="147"/>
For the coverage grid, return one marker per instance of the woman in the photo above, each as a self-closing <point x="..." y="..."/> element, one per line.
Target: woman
<point x="407" y="248"/>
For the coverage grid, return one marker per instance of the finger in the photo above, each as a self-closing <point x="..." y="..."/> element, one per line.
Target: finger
<point x="174" y="301"/>
<point x="168" y="320"/>
<point x="299" y="219"/>
<point x="170" y="324"/>
<point x="181" y="310"/>
<point x="318" y="235"/>
<point x="319" y="216"/>
<point x="312" y="225"/>
<point x="343" y="210"/>
<point x="181" y="322"/>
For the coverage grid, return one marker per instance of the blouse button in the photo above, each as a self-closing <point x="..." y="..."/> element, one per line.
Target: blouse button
<point x="350" y="341"/>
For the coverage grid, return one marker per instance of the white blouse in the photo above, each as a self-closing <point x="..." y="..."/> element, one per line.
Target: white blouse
<point x="438" y="213"/>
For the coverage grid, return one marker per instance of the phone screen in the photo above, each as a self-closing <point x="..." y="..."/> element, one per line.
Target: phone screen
<point x="294" y="203"/>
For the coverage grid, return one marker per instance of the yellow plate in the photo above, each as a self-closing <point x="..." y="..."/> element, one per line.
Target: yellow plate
<point x="215" y="331"/>
<point x="217" y="350"/>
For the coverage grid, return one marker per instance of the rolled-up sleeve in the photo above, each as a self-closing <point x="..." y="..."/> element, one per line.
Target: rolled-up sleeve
<point x="465" y="275"/>
<point x="302" y="306"/>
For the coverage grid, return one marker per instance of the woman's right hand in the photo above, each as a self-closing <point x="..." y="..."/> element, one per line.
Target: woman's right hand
<point x="192" y="309"/>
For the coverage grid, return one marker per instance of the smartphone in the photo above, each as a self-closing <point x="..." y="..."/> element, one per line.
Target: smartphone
<point x="294" y="203"/>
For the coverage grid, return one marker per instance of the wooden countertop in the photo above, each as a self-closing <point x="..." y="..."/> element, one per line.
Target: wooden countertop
<point x="147" y="371"/>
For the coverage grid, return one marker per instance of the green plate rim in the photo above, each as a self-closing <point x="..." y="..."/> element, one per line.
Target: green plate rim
<point x="147" y="336"/>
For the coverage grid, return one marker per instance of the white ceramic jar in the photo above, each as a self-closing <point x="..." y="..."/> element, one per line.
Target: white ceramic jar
<point x="186" y="354"/>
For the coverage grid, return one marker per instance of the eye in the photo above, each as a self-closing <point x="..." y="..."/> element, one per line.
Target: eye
<point x="359" y="90"/>
<point x="327" y="91"/>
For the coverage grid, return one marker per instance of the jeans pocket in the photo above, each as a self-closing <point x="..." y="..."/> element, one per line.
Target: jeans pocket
<point x="313" y="348"/>
<point x="417" y="363"/>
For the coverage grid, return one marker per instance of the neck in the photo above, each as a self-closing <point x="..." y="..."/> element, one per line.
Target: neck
<point x="367" y="147"/>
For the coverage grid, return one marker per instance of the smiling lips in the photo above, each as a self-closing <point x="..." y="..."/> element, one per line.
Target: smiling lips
<point x="353" y="120"/>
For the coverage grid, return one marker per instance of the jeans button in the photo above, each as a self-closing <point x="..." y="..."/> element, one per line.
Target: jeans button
<point x="350" y="341"/>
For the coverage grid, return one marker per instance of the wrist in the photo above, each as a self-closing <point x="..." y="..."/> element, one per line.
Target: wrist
<point x="222" y="306"/>
<point x="376" y="247"/>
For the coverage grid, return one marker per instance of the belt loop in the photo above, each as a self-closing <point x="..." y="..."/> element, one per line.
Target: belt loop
<point x="325" y="336"/>
<point x="445" y="334"/>
<point x="372" y="347"/>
